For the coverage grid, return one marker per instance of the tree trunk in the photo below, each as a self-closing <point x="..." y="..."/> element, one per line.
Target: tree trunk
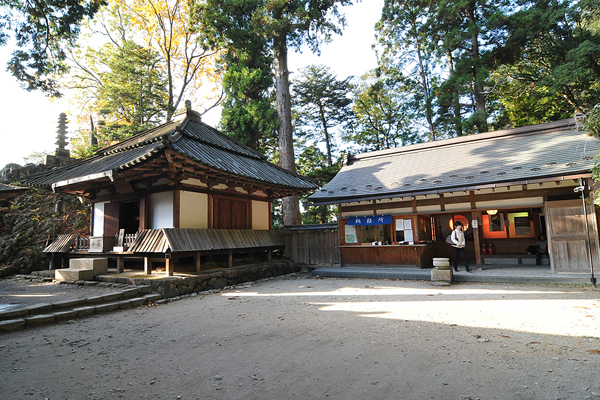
<point x="455" y="99"/>
<point x="290" y="205"/>
<point x="324" y="123"/>
<point x="425" y="86"/>
<point x="481" y="120"/>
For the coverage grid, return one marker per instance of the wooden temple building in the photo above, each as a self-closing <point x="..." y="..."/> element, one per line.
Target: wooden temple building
<point x="397" y="206"/>
<point x="180" y="190"/>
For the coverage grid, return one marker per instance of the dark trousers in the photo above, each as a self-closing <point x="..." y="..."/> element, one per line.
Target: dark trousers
<point x="456" y="251"/>
<point x="539" y="255"/>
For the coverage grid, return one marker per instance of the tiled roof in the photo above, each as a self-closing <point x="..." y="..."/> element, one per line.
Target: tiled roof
<point x="536" y="152"/>
<point x="188" y="136"/>
<point x="192" y="240"/>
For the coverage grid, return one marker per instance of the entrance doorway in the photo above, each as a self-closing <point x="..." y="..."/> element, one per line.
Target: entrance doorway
<point x="129" y="217"/>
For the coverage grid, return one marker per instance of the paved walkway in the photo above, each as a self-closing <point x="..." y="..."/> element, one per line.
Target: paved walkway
<point x="496" y="273"/>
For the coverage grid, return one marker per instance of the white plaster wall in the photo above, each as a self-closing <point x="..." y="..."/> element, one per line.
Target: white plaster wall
<point x="99" y="219"/>
<point x="358" y="214"/>
<point x="527" y="201"/>
<point x="260" y="214"/>
<point x="457" y="206"/>
<point x="161" y="210"/>
<point x="429" y="209"/>
<point x="193" y="211"/>
<point x="195" y="182"/>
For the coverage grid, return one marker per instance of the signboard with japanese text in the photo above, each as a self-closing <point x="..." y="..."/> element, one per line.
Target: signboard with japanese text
<point x="374" y="220"/>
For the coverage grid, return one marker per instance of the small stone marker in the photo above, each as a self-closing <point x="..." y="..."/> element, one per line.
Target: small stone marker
<point x="442" y="272"/>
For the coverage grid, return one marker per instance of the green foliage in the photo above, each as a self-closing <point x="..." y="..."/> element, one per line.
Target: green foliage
<point x="42" y="30"/>
<point x="30" y="223"/>
<point x="321" y="102"/>
<point x="249" y="113"/>
<point x="129" y="94"/>
<point x="404" y="34"/>
<point x="383" y="120"/>
<point x="550" y="60"/>
<point x="312" y="163"/>
<point x="592" y="121"/>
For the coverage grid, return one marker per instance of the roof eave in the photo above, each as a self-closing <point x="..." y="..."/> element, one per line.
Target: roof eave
<point x="396" y="194"/>
<point x="87" y="178"/>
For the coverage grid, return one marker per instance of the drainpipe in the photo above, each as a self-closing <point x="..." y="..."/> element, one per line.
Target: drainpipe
<point x="581" y="188"/>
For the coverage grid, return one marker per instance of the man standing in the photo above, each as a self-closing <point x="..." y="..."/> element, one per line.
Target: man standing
<point x="458" y="246"/>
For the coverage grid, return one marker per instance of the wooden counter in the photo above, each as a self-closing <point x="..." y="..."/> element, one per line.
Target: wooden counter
<point x="412" y="255"/>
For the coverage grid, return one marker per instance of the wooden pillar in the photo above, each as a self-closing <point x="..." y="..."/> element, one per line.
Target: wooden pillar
<point x="230" y="258"/>
<point x="476" y="215"/>
<point x="176" y="208"/>
<point x="198" y="262"/>
<point x="168" y="265"/>
<point x="120" y="265"/>
<point x="269" y="255"/>
<point x="147" y="265"/>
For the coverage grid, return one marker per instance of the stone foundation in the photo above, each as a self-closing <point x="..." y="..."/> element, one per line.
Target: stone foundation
<point x="174" y="286"/>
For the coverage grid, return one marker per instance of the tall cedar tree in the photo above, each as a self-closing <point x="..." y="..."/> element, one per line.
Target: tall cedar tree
<point x="42" y="30"/>
<point x="321" y="102"/>
<point x="469" y="32"/>
<point x="249" y="113"/>
<point x="549" y="65"/>
<point x="406" y="46"/>
<point x="130" y="95"/>
<point x="382" y="117"/>
<point x="313" y="164"/>
<point x="282" y="23"/>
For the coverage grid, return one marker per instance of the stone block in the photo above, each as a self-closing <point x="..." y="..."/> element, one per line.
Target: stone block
<point x="73" y="275"/>
<point x="38" y="308"/>
<point x="68" y="303"/>
<point x="145" y="289"/>
<point x="138" y="301"/>
<point x="85" y="311"/>
<point x="129" y="293"/>
<point x="65" y="315"/>
<point x="40" y="320"/>
<point x="11" y="314"/>
<point x="107" y="307"/>
<point x="113" y="296"/>
<point x="124" y="304"/>
<point x="153" y="297"/>
<point x="95" y="300"/>
<point x="442" y="275"/>
<point x="99" y="265"/>
<point x="12" y="325"/>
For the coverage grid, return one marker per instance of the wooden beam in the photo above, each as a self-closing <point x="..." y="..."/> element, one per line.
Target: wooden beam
<point x="168" y="265"/>
<point x="176" y="208"/>
<point x="148" y="265"/>
<point x="476" y="215"/>
<point x="198" y="262"/>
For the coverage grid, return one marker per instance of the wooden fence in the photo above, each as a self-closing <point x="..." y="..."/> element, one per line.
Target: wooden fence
<point x="313" y="245"/>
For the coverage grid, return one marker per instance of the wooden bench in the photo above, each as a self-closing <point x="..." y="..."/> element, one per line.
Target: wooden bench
<point x="516" y="259"/>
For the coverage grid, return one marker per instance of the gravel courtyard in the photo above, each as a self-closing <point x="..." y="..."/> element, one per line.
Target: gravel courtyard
<point x="297" y="337"/>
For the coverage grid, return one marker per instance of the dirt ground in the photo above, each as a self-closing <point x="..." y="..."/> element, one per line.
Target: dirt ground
<point x="300" y="338"/>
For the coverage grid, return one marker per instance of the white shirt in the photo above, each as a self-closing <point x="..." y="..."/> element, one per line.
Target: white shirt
<point x="458" y="237"/>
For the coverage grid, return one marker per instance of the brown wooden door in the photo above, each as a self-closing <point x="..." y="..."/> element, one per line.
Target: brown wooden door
<point x="567" y="236"/>
<point x="111" y="218"/>
<point x="231" y="214"/>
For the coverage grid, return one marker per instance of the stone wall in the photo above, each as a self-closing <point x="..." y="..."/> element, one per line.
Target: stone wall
<point x="174" y="286"/>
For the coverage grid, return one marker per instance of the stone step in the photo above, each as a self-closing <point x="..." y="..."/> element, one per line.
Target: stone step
<point x="66" y="307"/>
<point x="73" y="275"/>
<point x="79" y="312"/>
<point x="99" y="265"/>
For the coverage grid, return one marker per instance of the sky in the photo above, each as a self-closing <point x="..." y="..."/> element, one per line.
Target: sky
<point x="28" y="120"/>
